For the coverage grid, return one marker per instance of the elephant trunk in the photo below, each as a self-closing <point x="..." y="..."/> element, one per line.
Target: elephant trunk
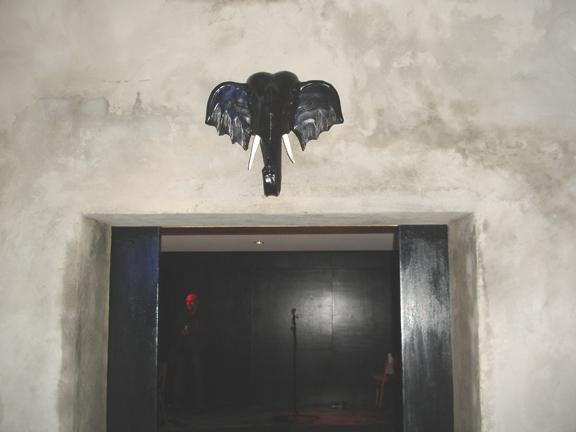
<point x="272" y="180"/>
<point x="272" y="155"/>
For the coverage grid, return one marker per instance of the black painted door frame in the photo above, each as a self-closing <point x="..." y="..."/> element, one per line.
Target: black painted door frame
<point x="132" y="330"/>
<point x="425" y="329"/>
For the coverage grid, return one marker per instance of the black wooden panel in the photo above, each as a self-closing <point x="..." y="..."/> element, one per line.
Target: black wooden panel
<point x="225" y="317"/>
<point x="223" y="283"/>
<point x="362" y="309"/>
<point x="275" y="294"/>
<point x="132" y="341"/>
<point x="426" y="328"/>
<point x="344" y="302"/>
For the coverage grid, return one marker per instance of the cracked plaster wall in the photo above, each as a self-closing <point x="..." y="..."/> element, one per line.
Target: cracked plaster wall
<point x="451" y="108"/>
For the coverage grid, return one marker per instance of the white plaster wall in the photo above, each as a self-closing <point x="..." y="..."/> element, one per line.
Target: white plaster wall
<point x="450" y="107"/>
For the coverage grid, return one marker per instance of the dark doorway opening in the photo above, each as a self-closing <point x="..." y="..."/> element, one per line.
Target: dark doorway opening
<point x="133" y="387"/>
<point x="239" y="375"/>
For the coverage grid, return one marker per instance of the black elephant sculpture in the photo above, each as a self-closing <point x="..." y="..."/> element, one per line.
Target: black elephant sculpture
<point x="268" y="107"/>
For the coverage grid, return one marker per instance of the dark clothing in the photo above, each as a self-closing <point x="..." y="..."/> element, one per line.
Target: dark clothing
<point x="185" y="363"/>
<point x="189" y="336"/>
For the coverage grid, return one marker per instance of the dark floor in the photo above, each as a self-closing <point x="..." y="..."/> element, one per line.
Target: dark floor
<point x="258" y="420"/>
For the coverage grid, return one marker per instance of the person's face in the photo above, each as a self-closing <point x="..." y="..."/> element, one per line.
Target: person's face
<point x="191" y="302"/>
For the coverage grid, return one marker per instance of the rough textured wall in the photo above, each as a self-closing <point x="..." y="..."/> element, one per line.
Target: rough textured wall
<point x="449" y="106"/>
<point x="82" y="403"/>
<point x="464" y="311"/>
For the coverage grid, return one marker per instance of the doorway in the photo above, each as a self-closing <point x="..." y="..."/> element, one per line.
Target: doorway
<point x="266" y="305"/>
<point x="346" y="308"/>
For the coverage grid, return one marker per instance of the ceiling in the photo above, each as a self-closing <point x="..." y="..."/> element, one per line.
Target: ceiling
<point x="277" y="242"/>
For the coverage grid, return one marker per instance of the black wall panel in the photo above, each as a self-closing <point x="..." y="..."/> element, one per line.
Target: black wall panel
<point x="346" y="311"/>
<point x="132" y="366"/>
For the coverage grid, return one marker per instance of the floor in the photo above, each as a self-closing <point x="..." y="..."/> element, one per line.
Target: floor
<point x="311" y="419"/>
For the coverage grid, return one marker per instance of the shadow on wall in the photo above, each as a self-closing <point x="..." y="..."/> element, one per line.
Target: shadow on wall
<point x="84" y="321"/>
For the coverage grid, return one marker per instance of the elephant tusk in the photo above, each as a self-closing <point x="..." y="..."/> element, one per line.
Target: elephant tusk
<point x="288" y="147"/>
<point x="255" y="145"/>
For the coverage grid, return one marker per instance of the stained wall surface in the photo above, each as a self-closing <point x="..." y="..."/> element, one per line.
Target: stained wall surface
<point x="451" y="108"/>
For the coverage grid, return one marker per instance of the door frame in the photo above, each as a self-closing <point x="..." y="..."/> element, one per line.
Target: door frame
<point x="425" y="328"/>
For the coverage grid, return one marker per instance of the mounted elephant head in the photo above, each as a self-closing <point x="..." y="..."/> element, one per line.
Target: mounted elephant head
<point x="268" y="107"/>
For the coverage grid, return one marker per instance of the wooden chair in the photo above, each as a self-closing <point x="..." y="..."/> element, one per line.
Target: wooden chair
<point x="381" y="379"/>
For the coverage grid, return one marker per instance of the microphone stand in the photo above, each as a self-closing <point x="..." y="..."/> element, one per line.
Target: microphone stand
<point x="295" y="417"/>
<point x="294" y="367"/>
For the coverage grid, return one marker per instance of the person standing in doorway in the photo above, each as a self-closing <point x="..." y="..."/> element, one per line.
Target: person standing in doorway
<point x="187" y="358"/>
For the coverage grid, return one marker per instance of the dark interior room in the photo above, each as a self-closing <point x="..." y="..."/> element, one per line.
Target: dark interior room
<point x="300" y="340"/>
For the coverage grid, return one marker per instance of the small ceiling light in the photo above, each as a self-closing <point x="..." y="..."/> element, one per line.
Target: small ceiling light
<point x="258" y="242"/>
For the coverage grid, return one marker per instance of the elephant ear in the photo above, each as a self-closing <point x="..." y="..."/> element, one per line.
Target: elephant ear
<point x="229" y="113"/>
<point x="317" y="110"/>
